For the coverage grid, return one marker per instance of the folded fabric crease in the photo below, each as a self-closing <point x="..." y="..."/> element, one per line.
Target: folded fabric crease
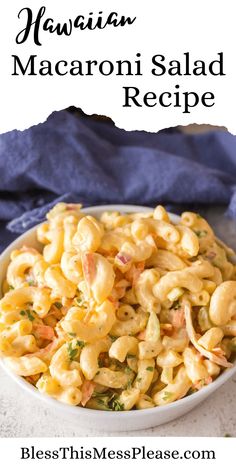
<point x="76" y="159"/>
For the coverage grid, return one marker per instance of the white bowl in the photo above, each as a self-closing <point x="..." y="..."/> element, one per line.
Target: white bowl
<point x="106" y="420"/>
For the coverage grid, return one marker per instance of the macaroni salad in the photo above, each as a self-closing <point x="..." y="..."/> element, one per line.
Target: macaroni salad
<point x="128" y="311"/>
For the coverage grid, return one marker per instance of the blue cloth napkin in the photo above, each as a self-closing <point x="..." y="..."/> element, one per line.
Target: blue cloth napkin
<point x="70" y="158"/>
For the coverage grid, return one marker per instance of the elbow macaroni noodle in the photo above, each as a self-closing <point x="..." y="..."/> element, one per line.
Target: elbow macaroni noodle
<point x="122" y="312"/>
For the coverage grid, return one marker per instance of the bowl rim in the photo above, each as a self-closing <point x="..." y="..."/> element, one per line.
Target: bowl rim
<point x="195" y="397"/>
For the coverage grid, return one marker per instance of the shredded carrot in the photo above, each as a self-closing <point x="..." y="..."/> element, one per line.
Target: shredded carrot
<point x="50" y="348"/>
<point x="198" y="385"/>
<point x="89" y="267"/>
<point x="44" y="331"/>
<point x="114" y="301"/>
<point x="142" y="335"/>
<point x="178" y="319"/>
<point x="87" y="391"/>
<point x="208" y="380"/>
<point x="33" y="378"/>
<point x="134" y="272"/>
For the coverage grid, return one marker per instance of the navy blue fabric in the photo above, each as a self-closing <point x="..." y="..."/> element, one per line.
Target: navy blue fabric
<point x="77" y="159"/>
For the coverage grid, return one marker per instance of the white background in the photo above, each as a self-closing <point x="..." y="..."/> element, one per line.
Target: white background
<point x="11" y="453"/>
<point x="167" y="27"/>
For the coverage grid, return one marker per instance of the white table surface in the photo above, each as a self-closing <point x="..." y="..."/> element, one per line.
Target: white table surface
<point x="22" y="416"/>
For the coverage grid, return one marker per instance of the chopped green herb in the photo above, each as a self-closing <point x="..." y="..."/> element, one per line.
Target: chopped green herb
<point x="119" y="406"/>
<point x="72" y="352"/>
<point x="116" y="364"/>
<point x="100" y="401"/>
<point x="78" y="301"/>
<point x="116" y="405"/>
<point x="58" y="305"/>
<point x="31" y="282"/>
<point x="129" y="384"/>
<point x="201" y="234"/>
<point x="150" y="369"/>
<point x="176" y="305"/>
<point x="167" y="396"/>
<point x="99" y="394"/>
<point x="201" y="383"/>
<point x="80" y="344"/>
<point x="11" y="287"/>
<point x="139" y="379"/>
<point x="29" y="314"/>
<point x="131" y="356"/>
<point x="128" y="370"/>
<point x="113" y="338"/>
<point x="73" y="335"/>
